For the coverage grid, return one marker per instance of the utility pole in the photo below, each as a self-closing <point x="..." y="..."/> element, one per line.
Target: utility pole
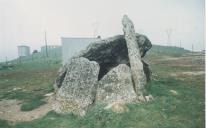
<point x="45" y="39"/>
<point x="192" y="48"/>
<point x="169" y="32"/>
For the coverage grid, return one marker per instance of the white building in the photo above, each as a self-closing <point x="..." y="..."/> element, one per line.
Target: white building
<point x="70" y="46"/>
<point x="23" y="50"/>
<point x="49" y="48"/>
<point x="53" y="51"/>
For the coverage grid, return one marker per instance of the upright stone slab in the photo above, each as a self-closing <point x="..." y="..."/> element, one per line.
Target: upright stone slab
<point x="77" y="91"/>
<point x="137" y="70"/>
<point x="116" y="86"/>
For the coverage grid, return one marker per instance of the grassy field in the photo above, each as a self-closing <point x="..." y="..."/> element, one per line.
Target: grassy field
<point x="183" y="109"/>
<point x="29" y="82"/>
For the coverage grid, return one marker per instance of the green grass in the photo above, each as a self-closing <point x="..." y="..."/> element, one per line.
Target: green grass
<point x="184" y="110"/>
<point x="30" y="99"/>
<point x="167" y="50"/>
<point x="4" y="124"/>
<point x="28" y="82"/>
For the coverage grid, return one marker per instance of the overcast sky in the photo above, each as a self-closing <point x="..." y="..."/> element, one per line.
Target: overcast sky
<point x="23" y="22"/>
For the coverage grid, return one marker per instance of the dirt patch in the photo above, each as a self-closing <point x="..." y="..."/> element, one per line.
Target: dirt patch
<point x="194" y="73"/>
<point x="189" y="63"/>
<point x="187" y="73"/>
<point x="11" y="110"/>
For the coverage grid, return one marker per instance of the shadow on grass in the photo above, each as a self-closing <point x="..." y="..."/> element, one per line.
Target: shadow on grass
<point x="32" y="104"/>
<point x="30" y="100"/>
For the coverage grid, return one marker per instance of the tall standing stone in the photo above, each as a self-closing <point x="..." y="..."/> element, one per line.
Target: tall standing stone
<point x="137" y="70"/>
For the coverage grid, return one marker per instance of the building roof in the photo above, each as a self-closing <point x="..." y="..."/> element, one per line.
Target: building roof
<point x="78" y="38"/>
<point x="23" y="46"/>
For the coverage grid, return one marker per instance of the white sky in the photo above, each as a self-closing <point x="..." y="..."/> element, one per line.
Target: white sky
<point x="23" y="22"/>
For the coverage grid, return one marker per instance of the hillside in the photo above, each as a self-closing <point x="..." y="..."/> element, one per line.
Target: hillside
<point x="167" y="50"/>
<point x="177" y="86"/>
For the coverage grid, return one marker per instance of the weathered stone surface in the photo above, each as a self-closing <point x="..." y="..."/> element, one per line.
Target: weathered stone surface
<point x="147" y="70"/>
<point x="115" y="86"/>
<point x="108" y="71"/>
<point x="77" y="90"/>
<point x="138" y="75"/>
<point x="113" y="51"/>
<point x="62" y="72"/>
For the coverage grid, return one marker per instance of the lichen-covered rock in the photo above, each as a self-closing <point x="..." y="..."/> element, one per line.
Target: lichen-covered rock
<point x="134" y="54"/>
<point x="113" y="51"/>
<point x="108" y="71"/>
<point x="61" y="75"/>
<point x="115" y="86"/>
<point x="77" y="91"/>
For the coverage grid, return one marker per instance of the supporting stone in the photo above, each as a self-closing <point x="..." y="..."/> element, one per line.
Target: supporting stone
<point x="77" y="91"/>
<point x="116" y="85"/>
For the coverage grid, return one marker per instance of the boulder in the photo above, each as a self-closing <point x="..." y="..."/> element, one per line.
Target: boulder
<point x="76" y="93"/>
<point x="61" y="75"/>
<point x="115" y="86"/>
<point x="111" y="52"/>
